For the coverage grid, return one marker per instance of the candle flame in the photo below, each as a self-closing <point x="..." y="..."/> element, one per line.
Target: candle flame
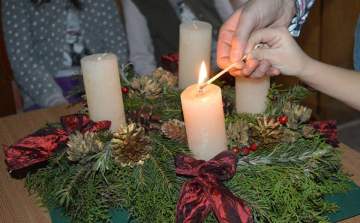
<point x="203" y="74"/>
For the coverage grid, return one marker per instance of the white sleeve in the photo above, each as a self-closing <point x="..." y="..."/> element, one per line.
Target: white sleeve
<point x="140" y="43"/>
<point x="224" y="8"/>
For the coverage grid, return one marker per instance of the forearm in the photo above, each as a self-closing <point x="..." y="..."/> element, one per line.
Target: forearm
<point x="336" y="82"/>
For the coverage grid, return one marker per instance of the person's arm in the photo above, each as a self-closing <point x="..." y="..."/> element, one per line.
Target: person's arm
<point x="286" y="57"/>
<point x="115" y="40"/>
<point x="29" y="73"/>
<point x="336" y="82"/>
<point x="140" y="43"/>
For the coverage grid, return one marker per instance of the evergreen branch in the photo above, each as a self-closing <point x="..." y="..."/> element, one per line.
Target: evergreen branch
<point x="78" y="90"/>
<point x="64" y="195"/>
<point x="57" y="159"/>
<point x="164" y="147"/>
<point x="161" y="171"/>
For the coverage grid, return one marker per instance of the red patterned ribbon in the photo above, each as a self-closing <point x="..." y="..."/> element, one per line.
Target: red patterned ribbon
<point x="207" y="191"/>
<point x="329" y="131"/>
<point x="42" y="144"/>
<point x="171" y="62"/>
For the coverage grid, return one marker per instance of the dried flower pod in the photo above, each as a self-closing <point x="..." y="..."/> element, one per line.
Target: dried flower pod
<point x="308" y="132"/>
<point x="296" y="114"/>
<point x="146" y="87"/>
<point x="165" y="77"/>
<point x="290" y="136"/>
<point x="80" y="146"/>
<point x="237" y="132"/>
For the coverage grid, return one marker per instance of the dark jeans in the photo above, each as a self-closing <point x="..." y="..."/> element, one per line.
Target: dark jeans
<point x="357" y="47"/>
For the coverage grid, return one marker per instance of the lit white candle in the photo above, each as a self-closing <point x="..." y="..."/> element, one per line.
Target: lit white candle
<point x="204" y="120"/>
<point x="103" y="89"/>
<point x="195" y="47"/>
<point x="251" y="94"/>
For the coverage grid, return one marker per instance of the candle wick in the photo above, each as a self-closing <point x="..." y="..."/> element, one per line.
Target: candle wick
<point x="194" y="25"/>
<point x="201" y="91"/>
<point x="99" y="58"/>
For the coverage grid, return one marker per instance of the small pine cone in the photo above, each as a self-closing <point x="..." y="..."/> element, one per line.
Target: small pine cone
<point x="80" y="146"/>
<point x="237" y="132"/>
<point x="165" y="77"/>
<point x="268" y="133"/>
<point x="130" y="146"/>
<point x="174" y="130"/>
<point x="308" y="132"/>
<point x="146" y="87"/>
<point x="107" y="195"/>
<point x="228" y="106"/>
<point x="145" y="118"/>
<point x="296" y="114"/>
<point x="290" y="136"/>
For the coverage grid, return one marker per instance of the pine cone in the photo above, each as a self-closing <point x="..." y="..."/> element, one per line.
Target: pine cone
<point x="290" y="136"/>
<point x="80" y="146"/>
<point x="237" y="132"/>
<point x="268" y="133"/>
<point x="296" y="114"/>
<point x="175" y="130"/>
<point x="107" y="194"/>
<point x="130" y="146"/>
<point x="165" y="77"/>
<point x="228" y="106"/>
<point x="146" y="87"/>
<point x="145" y="118"/>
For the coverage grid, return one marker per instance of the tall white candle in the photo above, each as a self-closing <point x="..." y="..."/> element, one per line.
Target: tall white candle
<point x="195" y="47"/>
<point x="251" y="94"/>
<point x="103" y="89"/>
<point x="204" y="121"/>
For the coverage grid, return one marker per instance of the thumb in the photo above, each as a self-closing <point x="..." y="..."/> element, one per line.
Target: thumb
<point x="260" y="54"/>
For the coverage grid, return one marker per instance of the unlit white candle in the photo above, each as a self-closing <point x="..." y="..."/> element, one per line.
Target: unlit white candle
<point x="204" y="121"/>
<point x="103" y="89"/>
<point x="195" y="47"/>
<point x="251" y="94"/>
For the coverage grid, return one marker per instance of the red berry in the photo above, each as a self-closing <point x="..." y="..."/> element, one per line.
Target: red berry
<point x="272" y="118"/>
<point x="235" y="149"/>
<point x="125" y="90"/>
<point x="283" y="119"/>
<point x="254" y="146"/>
<point x="245" y="151"/>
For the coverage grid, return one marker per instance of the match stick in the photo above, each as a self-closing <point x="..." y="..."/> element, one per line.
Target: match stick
<point x="223" y="71"/>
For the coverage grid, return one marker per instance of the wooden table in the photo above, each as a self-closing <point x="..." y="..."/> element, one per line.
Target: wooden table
<point x="17" y="206"/>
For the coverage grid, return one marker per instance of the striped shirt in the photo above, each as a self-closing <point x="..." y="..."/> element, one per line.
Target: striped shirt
<point x="302" y="11"/>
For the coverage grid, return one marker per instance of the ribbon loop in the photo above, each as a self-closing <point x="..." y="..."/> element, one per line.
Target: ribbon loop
<point x="42" y="144"/>
<point x="207" y="191"/>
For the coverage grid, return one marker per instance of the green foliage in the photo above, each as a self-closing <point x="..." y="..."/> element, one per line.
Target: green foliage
<point x="278" y="98"/>
<point x="281" y="184"/>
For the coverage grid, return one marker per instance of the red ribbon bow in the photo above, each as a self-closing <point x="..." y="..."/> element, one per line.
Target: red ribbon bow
<point x="206" y="190"/>
<point x="42" y="144"/>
